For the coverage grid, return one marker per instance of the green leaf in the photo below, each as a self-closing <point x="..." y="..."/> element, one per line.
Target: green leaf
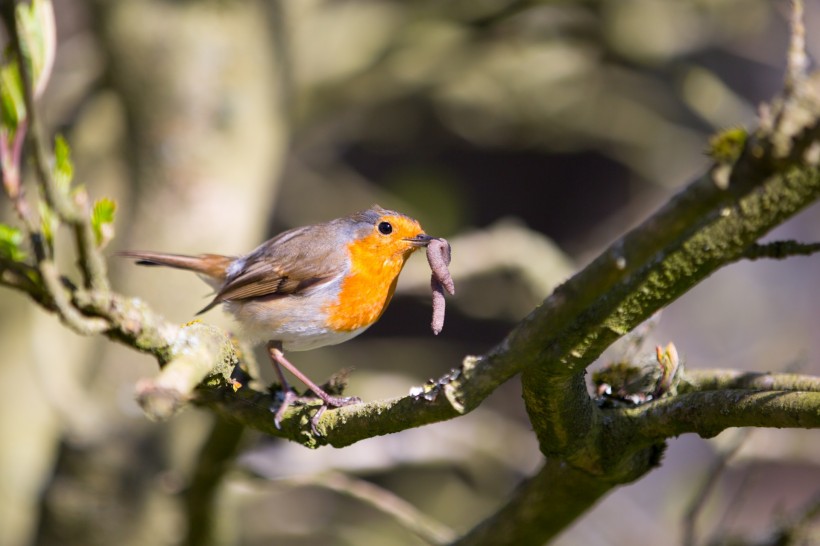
<point x="35" y="22"/>
<point x="63" y="167"/>
<point x="38" y="34"/>
<point x="63" y="172"/>
<point x="11" y="241"/>
<point x="48" y="222"/>
<point x="102" y="220"/>
<point x="12" y="105"/>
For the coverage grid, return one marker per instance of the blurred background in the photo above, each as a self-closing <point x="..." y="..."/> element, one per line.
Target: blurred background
<point x="530" y="134"/>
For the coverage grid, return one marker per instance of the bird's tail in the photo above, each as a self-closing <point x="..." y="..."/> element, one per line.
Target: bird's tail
<point x="212" y="266"/>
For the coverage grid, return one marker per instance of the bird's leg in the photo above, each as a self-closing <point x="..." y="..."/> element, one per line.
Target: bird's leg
<point x="280" y="375"/>
<point x="279" y="360"/>
<point x="288" y="395"/>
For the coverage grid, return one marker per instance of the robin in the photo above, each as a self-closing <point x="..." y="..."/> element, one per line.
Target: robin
<point x="310" y="286"/>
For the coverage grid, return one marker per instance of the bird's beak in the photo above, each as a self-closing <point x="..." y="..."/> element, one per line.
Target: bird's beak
<point x="422" y="239"/>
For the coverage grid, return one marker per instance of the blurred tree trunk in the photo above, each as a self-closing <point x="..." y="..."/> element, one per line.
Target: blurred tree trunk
<point x="201" y="134"/>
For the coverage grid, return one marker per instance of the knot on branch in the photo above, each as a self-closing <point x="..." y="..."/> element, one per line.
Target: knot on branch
<point x="157" y="402"/>
<point x="199" y="352"/>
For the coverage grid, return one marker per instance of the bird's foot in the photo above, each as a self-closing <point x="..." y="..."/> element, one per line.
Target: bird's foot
<point x="330" y="401"/>
<point x="289" y="398"/>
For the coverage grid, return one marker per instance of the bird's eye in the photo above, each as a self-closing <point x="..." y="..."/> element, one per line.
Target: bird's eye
<point x="385" y="228"/>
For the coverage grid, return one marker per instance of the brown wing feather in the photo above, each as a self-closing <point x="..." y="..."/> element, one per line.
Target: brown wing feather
<point x="287" y="264"/>
<point x="254" y="289"/>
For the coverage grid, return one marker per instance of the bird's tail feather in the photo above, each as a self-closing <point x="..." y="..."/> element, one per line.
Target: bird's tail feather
<point x="214" y="266"/>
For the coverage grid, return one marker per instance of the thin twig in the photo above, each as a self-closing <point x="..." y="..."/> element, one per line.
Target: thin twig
<point x="76" y="214"/>
<point x="707" y="485"/>
<point x="797" y="61"/>
<point x="21" y="276"/>
<point x="723" y="379"/>
<point x="385" y="501"/>
<point x="91" y="261"/>
<point x="68" y="313"/>
<point x="780" y="250"/>
<point x="504" y="246"/>
<point x="734" y="502"/>
<point x="58" y="201"/>
<point x="792" y="531"/>
<point x="11" y="157"/>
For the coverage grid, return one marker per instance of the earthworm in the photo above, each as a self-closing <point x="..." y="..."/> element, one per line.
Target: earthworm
<point x="438" y="256"/>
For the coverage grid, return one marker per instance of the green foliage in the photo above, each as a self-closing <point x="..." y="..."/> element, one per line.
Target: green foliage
<point x="102" y="220"/>
<point x="12" y="105"/>
<point x="63" y="167"/>
<point x="35" y="23"/>
<point x="102" y="213"/>
<point x="63" y="172"/>
<point x="11" y="241"/>
<point x="48" y="222"/>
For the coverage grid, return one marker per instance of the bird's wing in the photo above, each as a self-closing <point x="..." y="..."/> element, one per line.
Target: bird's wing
<point x="287" y="264"/>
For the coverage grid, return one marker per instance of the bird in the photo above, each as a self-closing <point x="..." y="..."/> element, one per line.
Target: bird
<point x="308" y="287"/>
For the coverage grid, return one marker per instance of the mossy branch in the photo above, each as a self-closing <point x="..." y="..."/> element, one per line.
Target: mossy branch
<point x="711" y="224"/>
<point x="708" y="413"/>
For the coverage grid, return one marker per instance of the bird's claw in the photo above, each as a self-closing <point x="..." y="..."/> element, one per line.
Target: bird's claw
<point x="338" y="402"/>
<point x="289" y="398"/>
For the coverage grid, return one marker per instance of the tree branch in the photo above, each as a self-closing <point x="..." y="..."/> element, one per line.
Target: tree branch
<point x="200" y="351"/>
<point x="700" y="230"/>
<point x="708" y="225"/>
<point x="711" y="380"/>
<point x="709" y="413"/>
<point x="540" y="507"/>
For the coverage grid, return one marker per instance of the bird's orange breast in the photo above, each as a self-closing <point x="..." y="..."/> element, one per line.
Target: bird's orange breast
<point x="368" y="288"/>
